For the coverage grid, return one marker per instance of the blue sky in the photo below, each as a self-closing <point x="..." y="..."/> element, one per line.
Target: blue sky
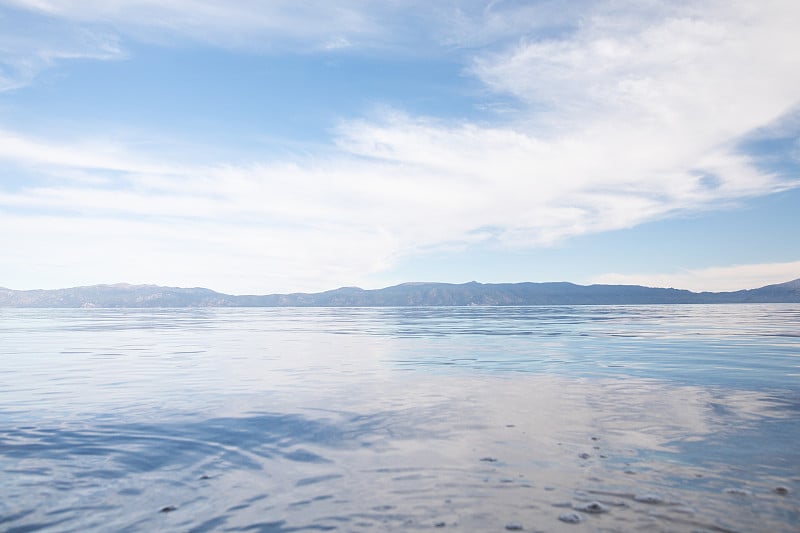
<point x="255" y="147"/>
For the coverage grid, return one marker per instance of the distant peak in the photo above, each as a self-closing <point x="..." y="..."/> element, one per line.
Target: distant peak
<point x="794" y="284"/>
<point x="126" y="286"/>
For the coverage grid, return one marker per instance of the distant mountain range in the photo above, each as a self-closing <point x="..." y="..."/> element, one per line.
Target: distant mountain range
<point x="406" y="294"/>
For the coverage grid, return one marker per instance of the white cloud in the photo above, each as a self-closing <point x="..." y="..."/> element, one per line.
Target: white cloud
<point x="90" y="154"/>
<point x="713" y="279"/>
<point x="396" y="188"/>
<point x="694" y="78"/>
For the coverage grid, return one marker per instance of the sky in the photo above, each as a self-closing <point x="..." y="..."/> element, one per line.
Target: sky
<point x="255" y="147"/>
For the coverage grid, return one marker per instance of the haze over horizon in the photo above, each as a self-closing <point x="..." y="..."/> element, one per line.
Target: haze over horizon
<point x="258" y="148"/>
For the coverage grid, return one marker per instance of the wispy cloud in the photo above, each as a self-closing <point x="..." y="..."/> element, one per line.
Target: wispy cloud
<point x="714" y="279"/>
<point x="277" y="25"/>
<point x="20" y="69"/>
<point x="59" y="30"/>
<point x="403" y="26"/>
<point x="45" y="43"/>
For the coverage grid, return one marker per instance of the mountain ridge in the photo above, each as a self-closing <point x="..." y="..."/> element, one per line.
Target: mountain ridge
<point x="121" y="295"/>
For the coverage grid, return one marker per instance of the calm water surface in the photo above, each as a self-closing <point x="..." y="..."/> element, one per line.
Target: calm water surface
<point x="672" y="418"/>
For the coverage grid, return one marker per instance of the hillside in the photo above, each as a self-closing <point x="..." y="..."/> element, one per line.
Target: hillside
<point x="406" y="294"/>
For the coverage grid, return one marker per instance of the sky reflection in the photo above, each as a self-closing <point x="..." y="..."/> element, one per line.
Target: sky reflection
<point x="286" y="420"/>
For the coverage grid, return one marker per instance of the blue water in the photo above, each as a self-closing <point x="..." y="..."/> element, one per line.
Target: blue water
<point x="400" y="419"/>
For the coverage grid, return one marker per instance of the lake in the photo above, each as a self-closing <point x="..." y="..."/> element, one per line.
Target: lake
<point x="584" y="418"/>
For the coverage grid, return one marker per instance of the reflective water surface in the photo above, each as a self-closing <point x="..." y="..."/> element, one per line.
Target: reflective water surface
<point x="657" y="418"/>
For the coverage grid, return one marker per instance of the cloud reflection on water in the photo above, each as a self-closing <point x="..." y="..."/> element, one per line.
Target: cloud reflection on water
<point x="411" y="457"/>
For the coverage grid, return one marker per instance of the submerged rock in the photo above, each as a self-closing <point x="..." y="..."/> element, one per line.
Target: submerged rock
<point x="592" y="507"/>
<point x="738" y="492"/>
<point x="571" y="518"/>
<point x="648" y="498"/>
<point x="489" y="459"/>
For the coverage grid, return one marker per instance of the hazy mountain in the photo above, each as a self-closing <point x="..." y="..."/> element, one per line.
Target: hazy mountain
<point x="119" y="295"/>
<point x="406" y="294"/>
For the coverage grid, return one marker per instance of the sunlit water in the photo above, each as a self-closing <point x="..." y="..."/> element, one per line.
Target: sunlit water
<point x="673" y="418"/>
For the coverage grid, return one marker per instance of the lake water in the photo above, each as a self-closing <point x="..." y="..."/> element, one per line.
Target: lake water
<point x="671" y="418"/>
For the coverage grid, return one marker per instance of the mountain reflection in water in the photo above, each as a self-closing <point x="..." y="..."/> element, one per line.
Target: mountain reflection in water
<point x="363" y="420"/>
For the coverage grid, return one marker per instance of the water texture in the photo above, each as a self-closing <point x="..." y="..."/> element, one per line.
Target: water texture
<point x="607" y="418"/>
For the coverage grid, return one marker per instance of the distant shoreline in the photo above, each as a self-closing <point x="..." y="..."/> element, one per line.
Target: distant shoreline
<point x="403" y="295"/>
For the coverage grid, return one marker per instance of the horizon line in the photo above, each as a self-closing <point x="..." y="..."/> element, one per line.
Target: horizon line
<point x="138" y="285"/>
